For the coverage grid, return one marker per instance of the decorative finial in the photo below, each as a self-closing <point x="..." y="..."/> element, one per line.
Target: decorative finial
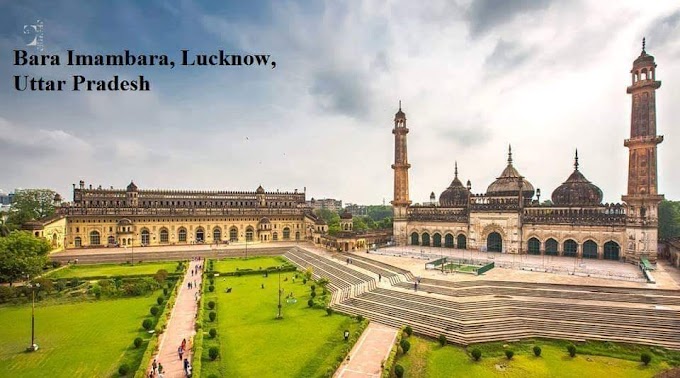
<point x="643" y="44"/>
<point x="509" y="154"/>
<point x="456" y="170"/>
<point x="576" y="160"/>
<point x="400" y="100"/>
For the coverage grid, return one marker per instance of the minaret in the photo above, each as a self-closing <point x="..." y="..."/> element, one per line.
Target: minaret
<point x="401" y="200"/>
<point x="642" y="198"/>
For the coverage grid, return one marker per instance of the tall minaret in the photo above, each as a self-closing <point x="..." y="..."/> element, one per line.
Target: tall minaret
<point x="642" y="198"/>
<point x="401" y="201"/>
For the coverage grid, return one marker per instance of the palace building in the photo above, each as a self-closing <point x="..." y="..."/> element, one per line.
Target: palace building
<point x="510" y="218"/>
<point x="137" y="217"/>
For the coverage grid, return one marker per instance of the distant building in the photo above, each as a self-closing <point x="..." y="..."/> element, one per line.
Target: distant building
<point x="357" y="210"/>
<point x="6" y="199"/>
<point x="325" y="203"/>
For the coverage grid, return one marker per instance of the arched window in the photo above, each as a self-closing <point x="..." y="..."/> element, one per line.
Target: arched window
<point x="164" y="235"/>
<point x="461" y="241"/>
<point x="249" y="234"/>
<point x="494" y="242"/>
<point x="275" y="236"/>
<point x="448" y="241"/>
<point x="534" y="246"/>
<point x="426" y="239"/>
<point x="145" y="237"/>
<point x="78" y="242"/>
<point x="297" y="235"/>
<point x="200" y="235"/>
<point x="233" y="234"/>
<point x="286" y="233"/>
<point x="182" y="235"/>
<point x="94" y="238"/>
<point x="111" y="240"/>
<point x="569" y="248"/>
<point x="611" y="250"/>
<point x="436" y="240"/>
<point x="551" y="247"/>
<point x="414" y="238"/>
<point x="590" y="250"/>
<point x="217" y="234"/>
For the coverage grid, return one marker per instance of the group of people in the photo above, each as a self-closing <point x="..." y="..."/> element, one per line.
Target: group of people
<point x="156" y="369"/>
<point x="186" y="364"/>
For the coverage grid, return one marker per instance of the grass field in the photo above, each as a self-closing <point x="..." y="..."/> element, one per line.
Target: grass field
<point x="109" y="270"/>
<point x="461" y="268"/>
<point x="255" y="263"/>
<point x="306" y="343"/>
<point x="427" y="358"/>
<point x="86" y="339"/>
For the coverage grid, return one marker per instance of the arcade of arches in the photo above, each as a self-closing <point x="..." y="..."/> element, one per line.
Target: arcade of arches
<point x="589" y="249"/>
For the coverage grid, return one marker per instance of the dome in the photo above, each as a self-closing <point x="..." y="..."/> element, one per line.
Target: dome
<point x="346" y="215"/>
<point x="508" y="184"/>
<point x="260" y="190"/>
<point x="456" y="194"/>
<point x="57" y="197"/>
<point x="644" y="58"/>
<point x="132" y="187"/>
<point x="577" y="190"/>
<point x="264" y="220"/>
<point x="400" y="114"/>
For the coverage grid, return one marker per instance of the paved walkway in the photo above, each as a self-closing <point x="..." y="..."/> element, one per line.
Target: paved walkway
<point x="180" y="326"/>
<point x="368" y="353"/>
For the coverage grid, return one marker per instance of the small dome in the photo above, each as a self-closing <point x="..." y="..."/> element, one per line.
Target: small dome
<point x="644" y="58"/>
<point x="132" y="187"/>
<point x="508" y="184"/>
<point x="32" y="225"/>
<point x="400" y="114"/>
<point x="456" y="194"/>
<point x="577" y="190"/>
<point x="260" y="190"/>
<point x="124" y="221"/>
<point x="57" y="197"/>
<point x="264" y="220"/>
<point x="346" y="215"/>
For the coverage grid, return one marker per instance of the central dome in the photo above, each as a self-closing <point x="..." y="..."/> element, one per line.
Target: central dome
<point x="456" y="194"/>
<point x="577" y="190"/>
<point x="508" y="184"/>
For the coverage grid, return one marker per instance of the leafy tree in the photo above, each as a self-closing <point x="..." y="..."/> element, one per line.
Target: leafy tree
<point x="22" y="254"/>
<point x="359" y="224"/>
<point x="405" y="345"/>
<point x="379" y="212"/>
<point x="399" y="371"/>
<point x="537" y="351"/>
<point x="509" y="354"/>
<point x="572" y="350"/>
<point x="4" y="230"/>
<point x="646" y="358"/>
<point x="30" y="204"/>
<point x="476" y="354"/>
<point x="669" y="219"/>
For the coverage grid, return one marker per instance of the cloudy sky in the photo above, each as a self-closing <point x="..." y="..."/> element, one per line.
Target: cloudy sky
<point x="545" y="76"/>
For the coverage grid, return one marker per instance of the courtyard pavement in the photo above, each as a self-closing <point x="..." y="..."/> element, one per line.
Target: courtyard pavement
<point x="367" y="355"/>
<point x="180" y="326"/>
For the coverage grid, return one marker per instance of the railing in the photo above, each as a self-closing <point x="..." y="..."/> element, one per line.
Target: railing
<point x="142" y="211"/>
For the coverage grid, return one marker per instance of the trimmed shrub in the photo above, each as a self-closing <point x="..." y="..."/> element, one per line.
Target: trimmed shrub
<point x="329" y="311"/>
<point x="154" y="310"/>
<point x="304" y="281"/>
<point x="313" y="287"/>
<point x="212" y="316"/>
<point x="408" y="330"/>
<point x="165" y="291"/>
<point x="476" y="354"/>
<point x="399" y="371"/>
<point x="138" y="342"/>
<point x="147" y="324"/>
<point x="313" y="294"/>
<point x="123" y="369"/>
<point x="572" y="350"/>
<point x="646" y="358"/>
<point x="442" y="340"/>
<point x="360" y="318"/>
<point x="211" y="288"/>
<point x="310" y="303"/>
<point x="509" y="354"/>
<point x="211" y="305"/>
<point x="160" y="300"/>
<point x="213" y="352"/>
<point x="405" y="345"/>
<point x="537" y="351"/>
<point x="213" y="333"/>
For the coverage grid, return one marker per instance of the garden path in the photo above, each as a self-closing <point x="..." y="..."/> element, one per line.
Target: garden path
<point x="372" y="348"/>
<point x="181" y="325"/>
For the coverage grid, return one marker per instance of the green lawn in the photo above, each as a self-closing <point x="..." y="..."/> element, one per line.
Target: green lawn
<point x="254" y="263"/>
<point x="305" y="343"/>
<point x="428" y="359"/>
<point x="85" y="339"/>
<point x="108" y="270"/>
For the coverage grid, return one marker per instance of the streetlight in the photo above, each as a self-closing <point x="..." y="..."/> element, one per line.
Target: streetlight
<point x="33" y="346"/>
<point x="279" y="315"/>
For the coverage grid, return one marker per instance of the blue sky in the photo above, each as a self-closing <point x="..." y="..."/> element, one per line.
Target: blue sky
<point x="545" y="76"/>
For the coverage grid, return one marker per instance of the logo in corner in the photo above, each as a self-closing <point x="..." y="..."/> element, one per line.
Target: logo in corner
<point x="35" y="35"/>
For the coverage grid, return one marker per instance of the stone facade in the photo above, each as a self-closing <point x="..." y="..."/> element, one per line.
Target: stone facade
<point x="510" y="218"/>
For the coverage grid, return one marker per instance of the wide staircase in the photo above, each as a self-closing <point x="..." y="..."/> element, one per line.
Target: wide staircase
<point x="393" y="274"/>
<point x="140" y="254"/>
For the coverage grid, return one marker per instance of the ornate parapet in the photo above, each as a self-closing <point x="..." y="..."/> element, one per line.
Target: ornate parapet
<point x="604" y="215"/>
<point x="437" y="214"/>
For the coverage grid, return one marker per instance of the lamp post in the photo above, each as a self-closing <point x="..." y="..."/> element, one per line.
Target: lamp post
<point x="279" y="314"/>
<point x="33" y="346"/>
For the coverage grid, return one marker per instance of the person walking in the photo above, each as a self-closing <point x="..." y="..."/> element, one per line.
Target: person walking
<point x="180" y="352"/>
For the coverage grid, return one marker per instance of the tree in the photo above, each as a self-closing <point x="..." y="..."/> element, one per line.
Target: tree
<point x="646" y="358"/>
<point x="22" y="254"/>
<point x="537" y="351"/>
<point x="358" y="224"/>
<point x="572" y="350"/>
<point x="30" y="204"/>
<point x="509" y="354"/>
<point x="476" y="354"/>
<point x="669" y="219"/>
<point x="405" y="345"/>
